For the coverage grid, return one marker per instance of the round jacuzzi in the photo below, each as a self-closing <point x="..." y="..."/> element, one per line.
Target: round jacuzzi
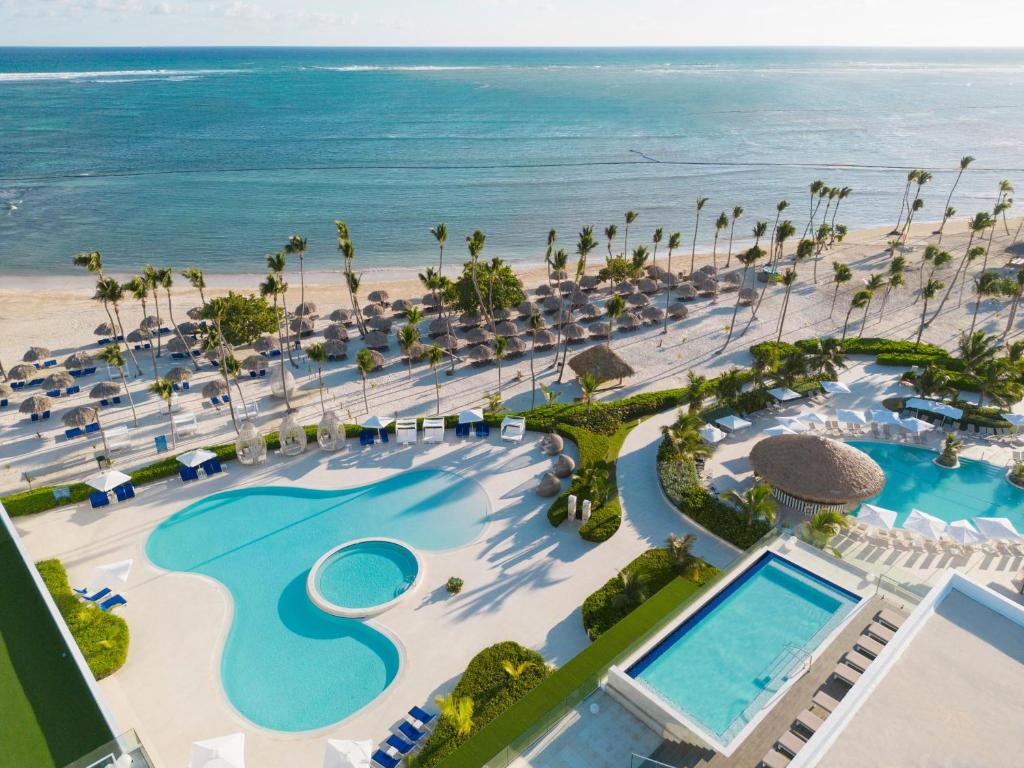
<point x="363" y="578"/>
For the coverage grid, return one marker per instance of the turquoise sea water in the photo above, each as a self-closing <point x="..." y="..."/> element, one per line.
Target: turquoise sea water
<point x="912" y="481"/>
<point x="366" y="574"/>
<point x="286" y="665"/>
<point x="736" y="650"/>
<point x="217" y="155"/>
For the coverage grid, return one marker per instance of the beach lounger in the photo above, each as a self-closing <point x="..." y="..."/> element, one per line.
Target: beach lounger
<point x="72" y="433"/>
<point x="400" y="745"/>
<point x="847" y="674"/>
<point x="483" y="429"/>
<point x="3" y="402"/>
<point x="188" y="473"/>
<point x="889" y="619"/>
<point x="53" y="393"/>
<point x="74" y="389"/>
<point x="410" y="731"/>
<point x="94" y="427"/>
<point x="112" y="602"/>
<point x="17" y="385"/>
<point x="420" y="716"/>
<point x="809" y="720"/>
<point x="775" y="759"/>
<point x="383" y="759"/>
<point x="89" y="371"/>
<point x="366" y="437"/>
<point x="825" y="701"/>
<point x="36" y="382"/>
<point x="790" y="743"/>
<point x="880" y="633"/>
<point x="212" y="467"/>
<point x="857" y="660"/>
<point x="49" y="363"/>
<point x="462" y="430"/>
<point x="383" y="435"/>
<point x="98" y="499"/>
<point x="868" y="646"/>
<point x="82" y="593"/>
<point x="125" y="492"/>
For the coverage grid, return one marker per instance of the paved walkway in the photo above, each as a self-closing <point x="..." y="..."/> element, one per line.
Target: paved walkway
<point x="645" y="508"/>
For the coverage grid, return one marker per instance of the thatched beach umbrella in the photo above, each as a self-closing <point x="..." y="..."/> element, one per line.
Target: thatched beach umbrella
<point x="414" y="352"/>
<point x="747" y="296"/>
<point x="302" y="326"/>
<point x="543" y="290"/>
<point x="507" y="328"/>
<point x="551" y="304"/>
<point x="561" y="318"/>
<point x="336" y="349"/>
<point x="81" y="416"/>
<point x="732" y="281"/>
<point x="708" y="270"/>
<point x="150" y="323"/>
<point x="429" y="300"/>
<point x="336" y="331"/>
<point x="382" y="324"/>
<point x="503" y="314"/>
<point x="705" y="285"/>
<point x="381" y="297"/>
<point x="376" y="340"/>
<point x="213" y="355"/>
<point x="401" y="305"/>
<point x="178" y="375"/>
<point x="195" y="313"/>
<point x="105" y="390"/>
<point x="78" y="361"/>
<point x="35" y="404"/>
<point x="188" y="328"/>
<point x="646" y="285"/>
<point x="652" y="314"/>
<point x="515" y="347"/>
<point x="341" y="315"/>
<point x="266" y="343"/>
<point x="373" y="310"/>
<point x="817" y="469"/>
<point x="677" y="310"/>
<point x="177" y="346"/>
<point x="559" y="274"/>
<point x="378" y="359"/>
<point x="668" y="279"/>
<point x="104" y="329"/>
<point x="655" y="272"/>
<point x="527" y="309"/>
<point x="58" y="380"/>
<point x="624" y="288"/>
<point x="22" y="372"/>
<point x="307" y="309"/>
<point x="629" y="322"/>
<point x="36" y="355"/>
<point x="439" y="326"/>
<point x="447" y="342"/>
<point x="567" y="286"/>
<point x="686" y="291"/>
<point x="546" y="339"/>
<point x="478" y="336"/>
<point x="637" y="300"/>
<point x="589" y="282"/>
<point x="470" y="320"/>
<point x="481" y="355"/>
<point x="254" y="363"/>
<point x="574" y="332"/>
<point x="139" y="336"/>
<point x="5" y="390"/>
<point x="579" y="299"/>
<point x="591" y="311"/>
<point x="214" y="388"/>
<point x="600" y="330"/>
<point x="602" y="363"/>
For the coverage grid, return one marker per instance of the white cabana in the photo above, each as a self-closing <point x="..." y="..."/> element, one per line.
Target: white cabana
<point x="792" y="423"/>
<point x="925" y="525"/>
<point x="876" y="517"/>
<point x="784" y="394"/>
<point x="934" y="406"/>
<point x="433" y="429"/>
<point x="712" y="434"/>
<point x="962" y="532"/>
<point x="513" y="428"/>
<point x="732" y="422"/>
<point x="196" y="458"/>
<point x="220" y="752"/>
<point x="250" y="446"/>
<point x="847" y="416"/>
<point x="330" y="432"/>
<point x="405" y="431"/>
<point x="292" y="436"/>
<point x="348" y="754"/>
<point x="376" y="422"/>
<point x="113" y="575"/>
<point x="813" y="417"/>
<point x="108" y="481"/>
<point x="996" y="528"/>
<point x="835" y="388"/>
<point x="779" y="429"/>
<point x="471" y="416"/>
<point x="915" y="425"/>
<point x="884" y="416"/>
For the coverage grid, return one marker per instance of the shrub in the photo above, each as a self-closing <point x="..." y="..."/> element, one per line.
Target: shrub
<point x="653" y="569"/>
<point x="454" y="585"/>
<point x="102" y="637"/>
<point x="492" y="689"/>
<point x="905" y="359"/>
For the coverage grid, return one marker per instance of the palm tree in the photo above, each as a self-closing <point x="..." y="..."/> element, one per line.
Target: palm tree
<point x="976" y="349"/>
<point x="729" y="385"/>
<point x="215" y="340"/>
<point x="164" y="389"/>
<point x="673" y="242"/>
<point x="631" y="591"/>
<point x="274" y="287"/>
<point x="630" y="218"/>
<point x="1004" y="201"/>
<point x="896" y="268"/>
<point x="656" y="239"/>
<point x="841" y="273"/>
<point x="1015" y="290"/>
<point x="364" y="364"/>
<point x="737" y="211"/>
<point x="435" y="355"/>
<point x="549" y="253"/>
<point x="165" y="279"/>
<point x="904" y="205"/>
<point x="683" y="438"/>
<point x="747" y="258"/>
<point x="615" y="307"/>
<point x="986" y="284"/>
<point x="840" y="196"/>
<point x="860" y="300"/>
<point x="408" y="340"/>
<point x="536" y="323"/>
<point x="783" y="231"/>
<point x="318" y="354"/>
<point x="720" y="223"/>
<point x="195" y="276"/>
<point x="138" y="287"/>
<point x="276" y="263"/>
<point x="515" y="671"/>
<point x="297" y="245"/>
<point x="110" y="293"/>
<point x="559" y="261"/>
<point x="696" y="226"/>
<point x="965" y="161"/>
<point x="696" y="389"/>
<point x="584" y="245"/>
<point x="755" y="503"/>
<point x="348" y="253"/>
<point x="872" y="284"/>
<point x="440" y="233"/>
<point x="923" y="177"/>
<point x="815" y="196"/>
<point x="111" y="355"/>
<point x="788" y="278"/>
<point x="978" y="225"/>
<point x="233" y="368"/>
<point x="610" y="232"/>
<point x="458" y="711"/>
<point x="92" y="261"/>
<point x="933" y="382"/>
<point x="681" y="557"/>
<point x="826" y="358"/>
<point x="151" y="276"/>
<point x="823" y="527"/>
<point x="588" y="387"/>
<point x="500" y="350"/>
<point x="804" y="251"/>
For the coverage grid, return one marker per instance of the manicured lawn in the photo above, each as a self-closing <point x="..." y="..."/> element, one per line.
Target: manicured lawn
<point x="23" y="741"/>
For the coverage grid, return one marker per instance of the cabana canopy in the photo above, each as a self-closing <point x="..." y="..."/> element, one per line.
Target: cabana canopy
<point x="196" y="458"/>
<point x="433" y="429"/>
<point x="108" y="481"/>
<point x="817" y="469"/>
<point x="934" y="406"/>
<point x="792" y="423"/>
<point x="405" y="431"/>
<point x="835" y="388"/>
<point x="915" y="425"/>
<point x="113" y="575"/>
<point x="732" y="422"/>
<point x="376" y="422"/>
<point x="779" y="429"/>
<point x="925" y="525"/>
<point x="220" y="752"/>
<point x="784" y="394"/>
<point x="884" y="416"/>
<point x="602" y="363"/>
<point x="876" y="517"/>
<point x="712" y="434"/>
<point x="996" y="528"/>
<point x="851" y="417"/>
<point x="471" y="416"/>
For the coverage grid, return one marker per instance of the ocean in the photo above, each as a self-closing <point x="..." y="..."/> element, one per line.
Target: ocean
<point x="215" y="156"/>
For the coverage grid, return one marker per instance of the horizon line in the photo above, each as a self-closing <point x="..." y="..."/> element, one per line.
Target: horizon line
<point x="724" y="46"/>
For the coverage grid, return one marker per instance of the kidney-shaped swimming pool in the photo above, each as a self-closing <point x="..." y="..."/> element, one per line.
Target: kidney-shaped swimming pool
<point x="286" y="664"/>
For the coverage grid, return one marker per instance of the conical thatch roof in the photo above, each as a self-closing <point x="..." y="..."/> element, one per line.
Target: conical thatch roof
<point x="301" y="325"/>
<point x="589" y="282"/>
<point x="543" y="290"/>
<point x="624" y="288"/>
<point x="601" y="363"/>
<point x="378" y="359"/>
<point x="629" y="322"/>
<point x="653" y="314"/>
<point x="336" y="331"/>
<point x="105" y="389"/>
<point x="214" y="388"/>
<point x="401" y="305"/>
<point x="188" y="328"/>
<point x="429" y="300"/>
<point x="817" y="468"/>
<point x="373" y="310"/>
<point x="378" y="296"/>
<point x="266" y="343"/>
<point x="503" y="314"/>
<point x="469" y="320"/>
<point x="77" y="361"/>
<point x="150" y="323"/>
<point x="747" y="296"/>
<point x="5" y="390"/>
<point x="528" y="308"/>
<point x="341" y="315"/>
<point x="546" y="339"/>
<point x="515" y="347"/>
<point x="507" y="328"/>
<point x="574" y="332"/>
<point x="646" y="285"/>
<point x="306" y="309"/>
<point x="138" y="336"/>
<point x="35" y="404"/>
<point x="104" y="329"/>
<point x="637" y="300"/>
<point x="58" y="380"/>
<point x="80" y="416"/>
<point x="733" y="279"/>
<point x="176" y="345"/>
<point x="336" y="349"/>
<point x="481" y="354"/>
<point x="438" y="327"/>
<point x="376" y="340"/>
<point x="448" y="342"/>
<point x="677" y="310"/>
<point x="382" y="324"/>
<point x="178" y="375"/>
<point x="559" y="274"/>
<point x="254" y="363"/>
<point x="195" y="313"/>
<point x="478" y="336"/>
<point x="22" y="372"/>
<point x="708" y="270"/>
<point x="591" y="311"/>
<point x="600" y="330"/>
<point x="36" y="354"/>
<point x="551" y="303"/>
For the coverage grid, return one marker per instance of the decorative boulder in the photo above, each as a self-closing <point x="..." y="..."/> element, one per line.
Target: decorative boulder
<point x="552" y="444"/>
<point x="564" y="466"/>
<point x="549" y="485"/>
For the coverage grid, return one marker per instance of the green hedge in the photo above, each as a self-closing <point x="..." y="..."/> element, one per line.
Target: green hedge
<point x="904" y="359"/>
<point x="682" y="486"/>
<point x="101" y="636"/>
<point x="653" y="569"/>
<point x="492" y="689"/>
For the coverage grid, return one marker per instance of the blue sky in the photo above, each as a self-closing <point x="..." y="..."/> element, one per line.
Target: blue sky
<point x="508" y="22"/>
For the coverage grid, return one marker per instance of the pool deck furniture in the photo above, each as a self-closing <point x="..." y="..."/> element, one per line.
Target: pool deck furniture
<point x="462" y="430"/>
<point x="809" y="720"/>
<point x="880" y="633"/>
<point x="846" y="673"/>
<point x="857" y="660"/>
<point x="513" y="428"/>
<point x="483" y="429"/>
<point x="420" y="716"/>
<point x="383" y="759"/>
<point x="433" y="429"/>
<point x="366" y="437"/>
<point x="112" y="602"/>
<point x="775" y="759"/>
<point x="406" y="432"/>
<point x="868" y="646"/>
<point x="185" y="424"/>
<point x="790" y="743"/>
<point x="825" y="701"/>
<point x="400" y="745"/>
<point x="98" y="595"/>
<point x="98" y="499"/>
<point x="889" y="619"/>
<point x="410" y="731"/>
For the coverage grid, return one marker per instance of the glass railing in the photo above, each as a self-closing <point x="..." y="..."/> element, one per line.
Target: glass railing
<point x="124" y="751"/>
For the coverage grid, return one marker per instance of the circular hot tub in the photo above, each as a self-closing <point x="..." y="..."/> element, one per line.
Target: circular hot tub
<point x="364" y="577"/>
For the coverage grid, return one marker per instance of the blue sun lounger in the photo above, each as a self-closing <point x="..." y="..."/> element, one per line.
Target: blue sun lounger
<point x="98" y="499"/>
<point x="400" y="745"/>
<point x="421" y="716"/>
<point x="112" y="602"/>
<point x="462" y="430"/>
<point x="366" y="437"/>
<point x="483" y="429"/>
<point x="410" y="731"/>
<point x="383" y="759"/>
<point x="93" y="598"/>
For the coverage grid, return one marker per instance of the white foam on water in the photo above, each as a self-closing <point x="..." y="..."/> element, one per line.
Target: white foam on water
<point x="124" y="75"/>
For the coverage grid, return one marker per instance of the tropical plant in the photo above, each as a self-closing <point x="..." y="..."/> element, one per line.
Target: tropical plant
<point x="610" y="232"/>
<point x="1015" y="289"/>
<point x="825" y="525"/>
<point x="588" y="386"/>
<point x="985" y="284"/>
<point x="841" y="273"/>
<point x="631" y="591"/>
<point x="933" y="382"/>
<point x="659" y="233"/>
<point x="722" y="222"/>
<point x="991" y="378"/>
<point x="275" y="287"/>
<point x="408" y="340"/>
<point x="112" y="356"/>
<point x="950" y="450"/>
<point x="241" y="319"/>
<point x="788" y="279"/>
<point x="297" y="245"/>
<point x="860" y="300"/>
<point x="871" y="285"/>
<point x="457" y="710"/>
<point x="515" y="671"/>
<point x="164" y="389"/>
<point x="110" y="293"/>
<point x="615" y="307"/>
<point x="737" y="211"/>
<point x="440" y="233"/>
<point x="500" y="350"/>
<point x="701" y="201"/>
<point x="348" y="254"/>
<point x="792" y="366"/>
<point x="165" y="279"/>
<point x="318" y="354"/>
<point x="536" y="323"/>
<point x="825" y="358"/>
<point x="673" y="242"/>
<point x="748" y="258"/>
<point x="754" y="503"/>
<point x="631" y="216"/>
<point x="905" y="204"/>
<point x="454" y="585"/>
<point x="965" y="161"/>
<point x="929" y="292"/>
<point x="978" y="225"/>
<point x="681" y="557"/>
<point x="683" y="439"/>
<point x="975" y="349"/>
<point x="364" y="364"/>
<point x="729" y="385"/>
<point x="435" y="356"/>
<point x="276" y="263"/>
<point x="197" y="279"/>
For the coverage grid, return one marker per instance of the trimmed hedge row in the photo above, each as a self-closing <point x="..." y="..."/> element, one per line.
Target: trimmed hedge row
<point x="682" y="486"/>
<point x="602" y="418"/>
<point x="492" y="689"/>
<point x="101" y="636"/>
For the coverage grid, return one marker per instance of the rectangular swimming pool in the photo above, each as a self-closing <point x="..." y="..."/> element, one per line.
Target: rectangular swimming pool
<point x="725" y="663"/>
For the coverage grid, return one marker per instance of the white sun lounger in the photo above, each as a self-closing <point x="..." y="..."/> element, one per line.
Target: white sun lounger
<point x="405" y="431"/>
<point x="889" y="619"/>
<point x="857" y="660"/>
<point x="775" y="759"/>
<point x="791" y="743"/>
<point x="809" y="720"/>
<point x="513" y="428"/>
<point x="880" y="633"/>
<point x="825" y="701"/>
<point x="433" y="429"/>
<point x="846" y="673"/>
<point x="868" y="646"/>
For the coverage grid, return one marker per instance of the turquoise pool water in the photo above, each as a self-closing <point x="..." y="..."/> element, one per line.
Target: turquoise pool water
<point x="286" y="664"/>
<point x="366" y="574"/>
<point x="976" y="489"/>
<point x="722" y="664"/>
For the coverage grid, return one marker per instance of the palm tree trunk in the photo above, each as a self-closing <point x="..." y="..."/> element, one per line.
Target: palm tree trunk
<point x="288" y="349"/>
<point x="170" y="418"/>
<point x="152" y="354"/>
<point x="320" y="381"/>
<point x="1013" y="314"/>
<point x="280" y="341"/>
<point x="227" y="385"/>
<point x="188" y="347"/>
<point x="119" y="329"/>
<point x="977" y="305"/>
<point x="949" y="199"/>
<point x="728" y="257"/>
<point x="952" y="282"/>
<point x="131" y="402"/>
<point x="533" y="374"/>
<point x="846" y="323"/>
<point x="735" y="310"/>
<point x="693" y="248"/>
<point x="864" y="320"/>
<point x="437" y="392"/>
<point x="366" y="403"/>
<point x="668" y="290"/>
<point x="906" y="192"/>
<point x="920" y="329"/>
<point x="782" y="318"/>
<point x="835" y="296"/>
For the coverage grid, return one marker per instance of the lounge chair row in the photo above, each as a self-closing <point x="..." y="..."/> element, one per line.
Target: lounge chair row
<point x="101" y="599"/>
<point x="408" y="737"/>
<point x="74" y="432"/>
<point x="207" y="468"/>
<point x="121" y="493"/>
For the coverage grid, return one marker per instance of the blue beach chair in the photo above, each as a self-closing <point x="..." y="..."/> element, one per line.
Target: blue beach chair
<point x="98" y="499"/>
<point x="400" y="745"/>
<point x="112" y="602"/>
<point x="383" y="759"/>
<point x="187" y="473"/>
<point x="462" y="430"/>
<point x="383" y="435"/>
<point x="420" y="716"/>
<point x="366" y="437"/>
<point x="72" y="433"/>
<point x="124" y="492"/>
<point x="89" y="371"/>
<point x="53" y="393"/>
<point x="94" y="427"/>
<point x="77" y="372"/>
<point x="74" y="389"/>
<point x="83" y="593"/>
<point x="3" y="402"/>
<point x="410" y="731"/>
<point x="483" y="429"/>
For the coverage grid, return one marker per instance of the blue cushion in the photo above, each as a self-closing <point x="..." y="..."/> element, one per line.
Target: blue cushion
<point x="116" y="399"/>
<point x="74" y="390"/>
<point x="420" y="714"/>
<point x="89" y="371"/>
<point x="483" y="429"/>
<point x="384" y="759"/>
<point x="94" y="427"/>
<point x="398" y="743"/>
<point x="410" y="731"/>
<point x="3" y="403"/>
<point x="72" y="433"/>
<point x="383" y="435"/>
<point x="53" y="393"/>
<point x="98" y="499"/>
